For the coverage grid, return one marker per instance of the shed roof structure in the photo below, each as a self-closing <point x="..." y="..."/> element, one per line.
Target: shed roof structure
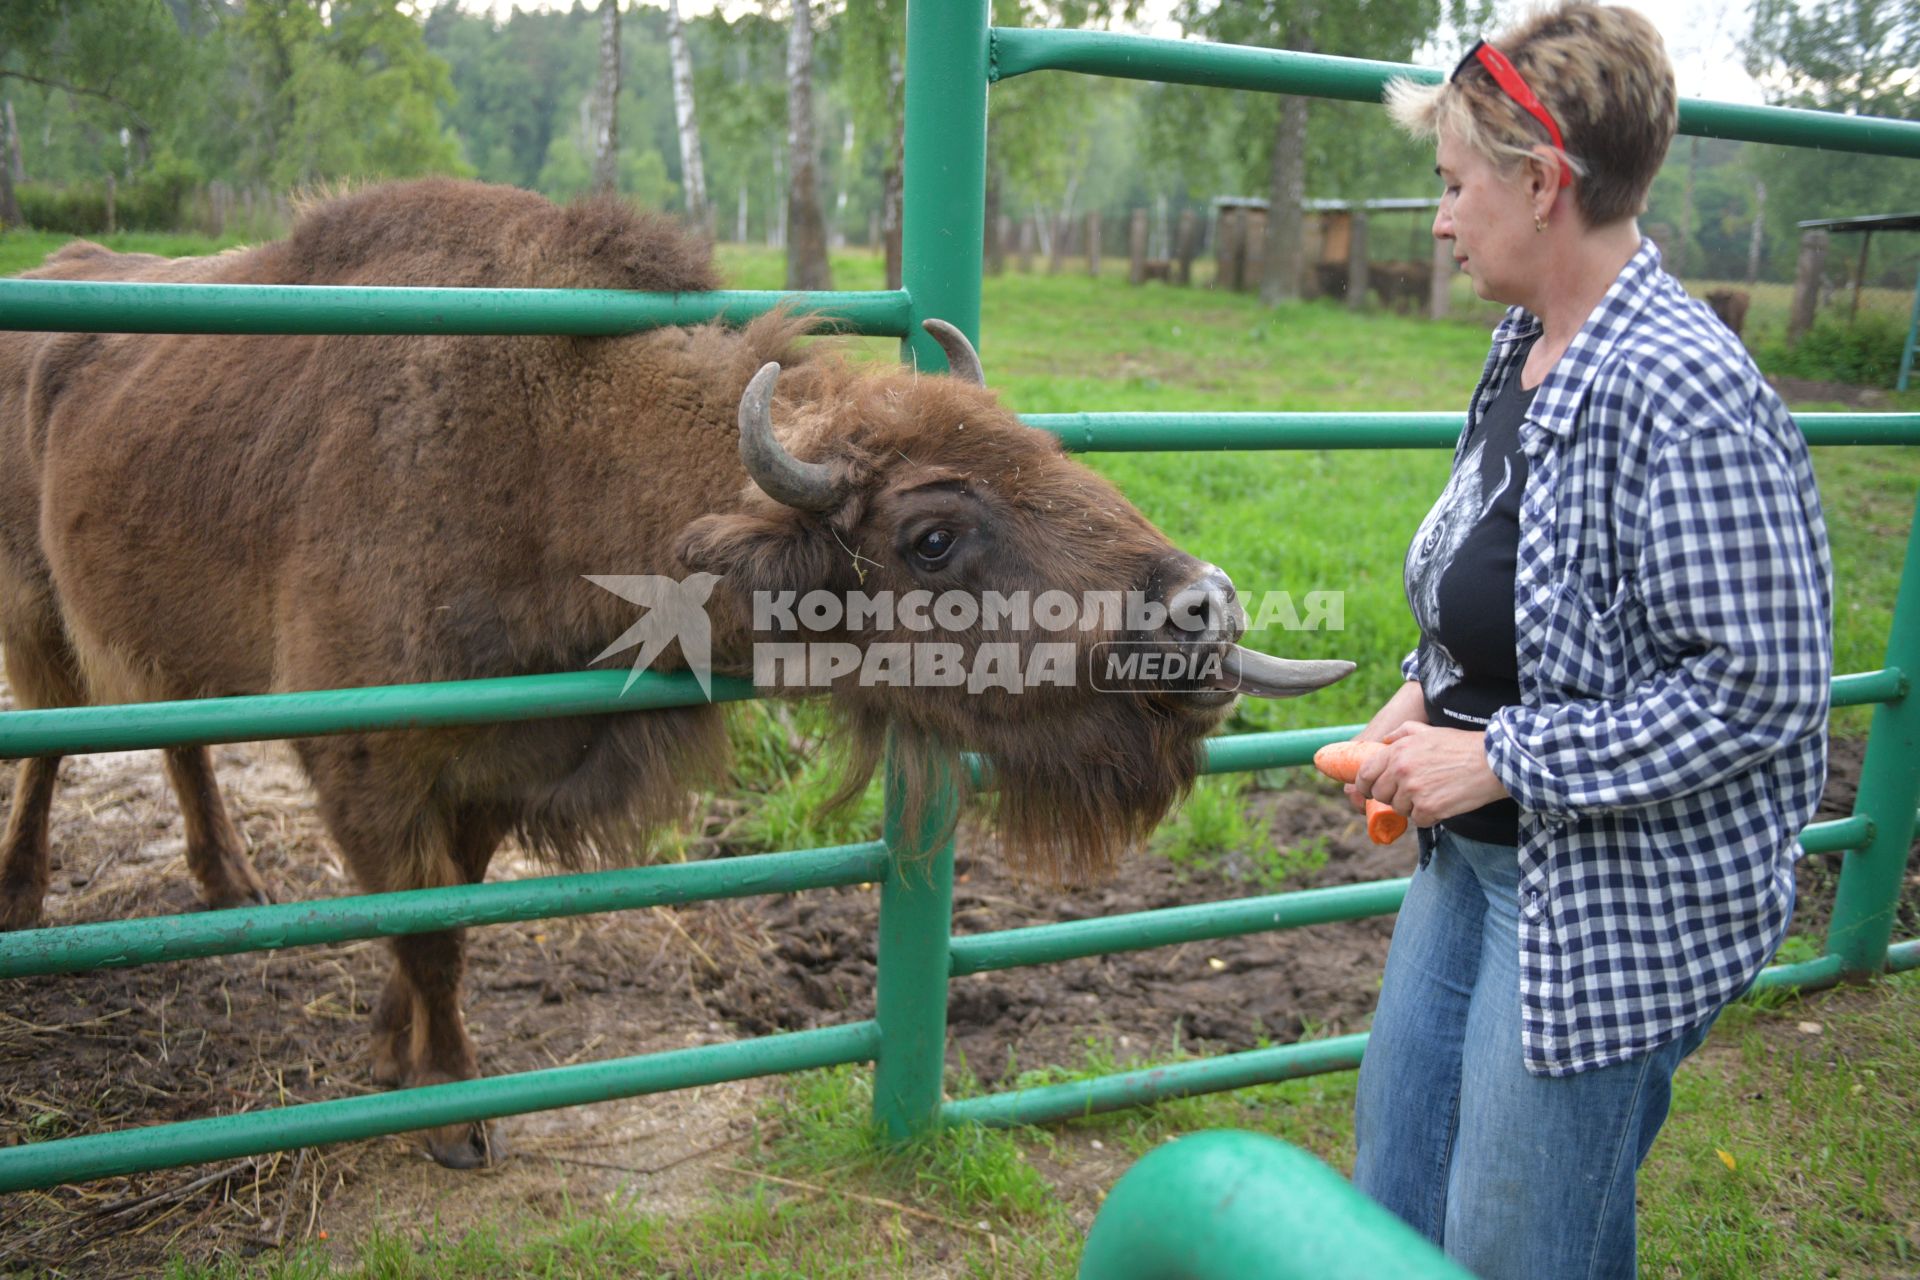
<point x="1864" y="226"/>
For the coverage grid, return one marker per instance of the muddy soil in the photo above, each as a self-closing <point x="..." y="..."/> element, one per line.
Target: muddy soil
<point x="122" y="1048"/>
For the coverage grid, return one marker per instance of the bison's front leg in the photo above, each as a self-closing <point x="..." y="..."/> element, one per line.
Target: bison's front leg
<point x="24" y="859"/>
<point x="215" y="853"/>
<point x="438" y="1049"/>
<point x="395" y="835"/>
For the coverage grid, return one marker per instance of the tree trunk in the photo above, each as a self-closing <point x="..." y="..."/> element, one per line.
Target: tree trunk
<point x="890" y="178"/>
<point x="1440" y="283"/>
<point x="1357" y="261"/>
<point x="1806" y="284"/>
<point x="1683" y="242"/>
<point x="807" y="266"/>
<point x="837" y="230"/>
<point x="1757" y="239"/>
<point x="10" y="173"/>
<point x="1280" y="275"/>
<point x="16" y="161"/>
<point x="606" y="124"/>
<point x="693" y="172"/>
<point x="1137" y="248"/>
<point x="1184" y="244"/>
<point x="993" y="253"/>
<point x="1093" y="243"/>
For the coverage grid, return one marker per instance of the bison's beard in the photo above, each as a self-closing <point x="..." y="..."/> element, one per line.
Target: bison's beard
<point x="1072" y="788"/>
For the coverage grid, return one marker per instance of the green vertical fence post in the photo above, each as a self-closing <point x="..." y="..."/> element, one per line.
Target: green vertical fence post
<point x="916" y="919"/>
<point x="1865" y="903"/>
<point x="1913" y="338"/>
<point x="943" y="220"/>
<point x="944" y="205"/>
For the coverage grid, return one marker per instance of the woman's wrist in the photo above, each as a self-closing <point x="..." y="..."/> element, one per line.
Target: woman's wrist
<point x="1407" y="705"/>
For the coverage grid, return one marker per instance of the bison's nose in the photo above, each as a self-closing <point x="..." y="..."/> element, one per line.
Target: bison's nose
<point x="1207" y="609"/>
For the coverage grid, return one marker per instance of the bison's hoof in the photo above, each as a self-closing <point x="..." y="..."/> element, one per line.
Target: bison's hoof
<point x="465" y="1146"/>
<point x="18" y="912"/>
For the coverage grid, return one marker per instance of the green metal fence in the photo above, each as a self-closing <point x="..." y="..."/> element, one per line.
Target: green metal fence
<point x="952" y="58"/>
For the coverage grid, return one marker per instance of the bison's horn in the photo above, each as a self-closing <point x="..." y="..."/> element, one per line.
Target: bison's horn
<point x="963" y="362"/>
<point x="1264" y="676"/>
<point x="809" y="486"/>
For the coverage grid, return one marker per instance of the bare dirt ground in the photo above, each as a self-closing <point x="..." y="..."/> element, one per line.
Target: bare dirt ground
<point x="122" y="1048"/>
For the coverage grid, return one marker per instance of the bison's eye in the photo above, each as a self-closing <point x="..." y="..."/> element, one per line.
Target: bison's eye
<point x="934" y="546"/>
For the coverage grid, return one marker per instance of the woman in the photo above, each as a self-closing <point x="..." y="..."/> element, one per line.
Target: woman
<point x="1614" y="725"/>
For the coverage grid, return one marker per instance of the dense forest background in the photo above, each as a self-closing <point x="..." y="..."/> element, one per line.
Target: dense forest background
<point x="165" y="97"/>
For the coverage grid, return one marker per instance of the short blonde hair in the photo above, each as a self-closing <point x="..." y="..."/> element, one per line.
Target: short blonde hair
<point x="1601" y="71"/>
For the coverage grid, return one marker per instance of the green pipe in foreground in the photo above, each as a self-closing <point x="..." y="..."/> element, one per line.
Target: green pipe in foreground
<point x="1133" y="432"/>
<point x="74" y="306"/>
<point x="1228" y="1205"/>
<point x="1018" y="51"/>
<point x="47" y="1164"/>
<point x="121" y="943"/>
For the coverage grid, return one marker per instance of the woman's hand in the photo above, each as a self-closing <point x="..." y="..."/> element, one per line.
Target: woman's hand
<point x="1407" y="706"/>
<point x="1431" y="774"/>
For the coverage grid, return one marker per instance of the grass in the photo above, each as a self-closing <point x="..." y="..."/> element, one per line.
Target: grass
<point x="1788" y="1154"/>
<point x="1820" y="1176"/>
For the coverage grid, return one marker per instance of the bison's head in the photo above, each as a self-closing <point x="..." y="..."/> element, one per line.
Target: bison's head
<point x="951" y="576"/>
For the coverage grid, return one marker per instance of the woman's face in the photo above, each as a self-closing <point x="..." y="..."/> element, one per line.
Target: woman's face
<point x="1489" y="217"/>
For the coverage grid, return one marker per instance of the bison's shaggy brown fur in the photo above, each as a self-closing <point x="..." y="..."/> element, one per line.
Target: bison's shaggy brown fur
<point x="193" y="516"/>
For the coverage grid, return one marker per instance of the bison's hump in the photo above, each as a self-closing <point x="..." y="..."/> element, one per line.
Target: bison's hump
<point x="454" y="233"/>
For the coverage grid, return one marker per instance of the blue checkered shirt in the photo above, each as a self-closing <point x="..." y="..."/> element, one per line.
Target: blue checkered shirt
<point x="1672" y="608"/>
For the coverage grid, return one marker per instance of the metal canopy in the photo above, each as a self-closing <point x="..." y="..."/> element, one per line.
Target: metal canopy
<point x="1866" y="223"/>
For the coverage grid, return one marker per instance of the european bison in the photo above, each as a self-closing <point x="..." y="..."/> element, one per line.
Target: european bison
<point x="195" y="516"/>
<point x="1731" y="306"/>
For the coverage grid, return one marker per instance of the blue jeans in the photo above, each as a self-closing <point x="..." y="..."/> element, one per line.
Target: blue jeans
<point x="1513" y="1175"/>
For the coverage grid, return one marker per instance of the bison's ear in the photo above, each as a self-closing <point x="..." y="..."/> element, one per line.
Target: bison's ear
<point x="780" y="550"/>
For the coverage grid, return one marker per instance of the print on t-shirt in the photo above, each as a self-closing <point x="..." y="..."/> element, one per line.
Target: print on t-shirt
<point x="1463" y="504"/>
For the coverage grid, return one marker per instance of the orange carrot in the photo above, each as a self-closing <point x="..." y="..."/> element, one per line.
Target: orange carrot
<point x="1341" y="761"/>
<point x="1384" y="826"/>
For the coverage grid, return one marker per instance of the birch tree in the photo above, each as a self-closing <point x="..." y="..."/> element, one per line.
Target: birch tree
<point x="693" y="173"/>
<point x="807" y="266"/>
<point x="606" y="124"/>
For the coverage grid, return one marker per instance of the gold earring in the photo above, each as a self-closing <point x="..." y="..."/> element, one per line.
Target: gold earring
<point x="1539" y="222"/>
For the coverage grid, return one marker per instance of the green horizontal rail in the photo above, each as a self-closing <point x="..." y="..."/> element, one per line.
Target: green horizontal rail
<point x="1140" y="930"/>
<point x="61" y="1160"/>
<point x="1807" y="975"/>
<point x="1842" y="835"/>
<point x="256" y="717"/>
<point x="1128" y="432"/>
<point x="118" y="944"/>
<point x="1228" y="1205"/>
<point x="1017" y="51"/>
<point x="1862" y="687"/>
<point x="1046" y="1104"/>
<point x="139" y="726"/>
<point x="83" y="306"/>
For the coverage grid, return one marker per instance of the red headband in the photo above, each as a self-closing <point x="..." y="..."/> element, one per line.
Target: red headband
<point x="1508" y="78"/>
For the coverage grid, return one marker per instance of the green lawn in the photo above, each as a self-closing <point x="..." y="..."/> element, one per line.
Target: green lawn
<point x="1819" y="1174"/>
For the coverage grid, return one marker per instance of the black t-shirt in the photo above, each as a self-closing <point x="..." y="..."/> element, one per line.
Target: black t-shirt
<point x="1459" y="579"/>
